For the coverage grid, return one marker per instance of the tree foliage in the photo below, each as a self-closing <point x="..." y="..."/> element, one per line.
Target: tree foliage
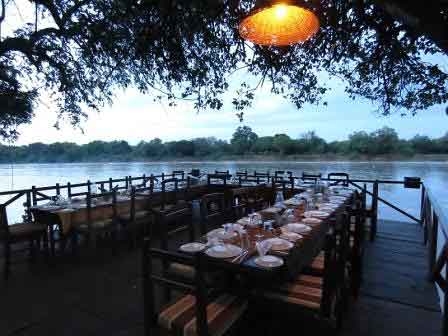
<point x="188" y="49"/>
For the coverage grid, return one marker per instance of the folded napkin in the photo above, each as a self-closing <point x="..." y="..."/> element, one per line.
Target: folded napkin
<point x="263" y="247"/>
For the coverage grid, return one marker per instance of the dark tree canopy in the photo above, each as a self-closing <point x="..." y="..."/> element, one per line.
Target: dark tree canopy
<point x="81" y="50"/>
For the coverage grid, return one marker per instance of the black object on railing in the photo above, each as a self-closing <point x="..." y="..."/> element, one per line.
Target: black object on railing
<point x="412" y="182"/>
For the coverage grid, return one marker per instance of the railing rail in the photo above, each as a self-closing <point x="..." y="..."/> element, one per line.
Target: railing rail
<point x="434" y="219"/>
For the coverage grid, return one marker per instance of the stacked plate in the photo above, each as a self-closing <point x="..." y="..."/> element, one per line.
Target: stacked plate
<point x="290" y="236"/>
<point x="268" y="261"/>
<point x="278" y="244"/>
<point x="221" y="234"/>
<point x="298" y="228"/>
<point x="316" y="214"/>
<point x="326" y="209"/>
<point x="311" y="220"/>
<point x="224" y="251"/>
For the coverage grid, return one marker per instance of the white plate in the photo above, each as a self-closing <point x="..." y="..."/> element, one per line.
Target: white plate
<point x="221" y="234"/>
<point x="223" y="251"/>
<point x="326" y="209"/>
<point x="329" y="205"/>
<point x="268" y="261"/>
<point x="312" y="220"/>
<point x="298" y="228"/>
<point x="279" y="244"/>
<point x="243" y="221"/>
<point x="317" y="214"/>
<point x="192" y="247"/>
<point x="50" y="207"/>
<point x="337" y="198"/>
<point x="291" y="236"/>
<point x="336" y="202"/>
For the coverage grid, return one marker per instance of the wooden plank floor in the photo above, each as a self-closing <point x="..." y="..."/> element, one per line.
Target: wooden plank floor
<point x="101" y="295"/>
<point x="396" y="298"/>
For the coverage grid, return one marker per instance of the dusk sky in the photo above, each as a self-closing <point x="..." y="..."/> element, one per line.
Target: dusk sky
<point x="135" y="117"/>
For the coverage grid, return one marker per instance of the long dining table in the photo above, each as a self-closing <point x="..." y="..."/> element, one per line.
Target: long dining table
<point x="295" y="259"/>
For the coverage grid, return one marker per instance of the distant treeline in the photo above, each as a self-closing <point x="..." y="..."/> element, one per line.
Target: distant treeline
<point x="244" y="142"/>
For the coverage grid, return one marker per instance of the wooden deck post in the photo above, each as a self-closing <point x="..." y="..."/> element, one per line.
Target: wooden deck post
<point x="432" y="246"/>
<point x="422" y="205"/>
<point x="28" y="206"/>
<point x="445" y="307"/>
<point x="374" y="218"/>
<point x="33" y="195"/>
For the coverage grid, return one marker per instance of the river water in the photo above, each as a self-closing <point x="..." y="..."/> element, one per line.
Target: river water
<point x="434" y="174"/>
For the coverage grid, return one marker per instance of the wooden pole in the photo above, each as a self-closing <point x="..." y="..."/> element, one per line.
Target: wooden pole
<point x="422" y="205"/>
<point x="432" y="255"/>
<point x="374" y="218"/>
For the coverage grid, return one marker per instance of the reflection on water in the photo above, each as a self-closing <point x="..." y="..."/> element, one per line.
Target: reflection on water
<point x="435" y="174"/>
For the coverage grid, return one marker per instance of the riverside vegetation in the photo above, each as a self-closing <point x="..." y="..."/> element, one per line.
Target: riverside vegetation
<point x="244" y="144"/>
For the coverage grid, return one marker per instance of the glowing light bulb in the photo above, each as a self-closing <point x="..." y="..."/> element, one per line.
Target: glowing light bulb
<point x="281" y="11"/>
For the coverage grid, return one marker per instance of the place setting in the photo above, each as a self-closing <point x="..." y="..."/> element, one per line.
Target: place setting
<point x="263" y="259"/>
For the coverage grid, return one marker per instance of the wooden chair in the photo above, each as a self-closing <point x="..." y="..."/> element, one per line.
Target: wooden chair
<point x="170" y="190"/>
<point x="308" y="177"/>
<point x="320" y="296"/>
<point x="241" y="173"/>
<point x="279" y="175"/>
<point x="137" y="220"/>
<point x="213" y="212"/>
<point x="102" y="220"/>
<point x="30" y="233"/>
<point x="240" y="203"/>
<point x="179" y="173"/>
<point x="201" y="310"/>
<point x="262" y="177"/>
<point x="217" y="182"/>
<point x="357" y="244"/>
<point x="260" y="197"/>
<point x="339" y="179"/>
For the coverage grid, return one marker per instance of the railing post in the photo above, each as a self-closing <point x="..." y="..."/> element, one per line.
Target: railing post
<point x="422" y="205"/>
<point x="58" y="189"/>
<point x="111" y="185"/>
<point x="33" y="195"/>
<point x="374" y="218"/>
<point x="432" y="246"/>
<point x="445" y="306"/>
<point x="28" y="205"/>
<point x="427" y="220"/>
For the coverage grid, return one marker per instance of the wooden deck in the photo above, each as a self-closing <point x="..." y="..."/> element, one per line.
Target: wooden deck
<point x="102" y="295"/>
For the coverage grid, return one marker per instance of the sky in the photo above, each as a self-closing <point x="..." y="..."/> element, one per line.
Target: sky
<point x="135" y="117"/>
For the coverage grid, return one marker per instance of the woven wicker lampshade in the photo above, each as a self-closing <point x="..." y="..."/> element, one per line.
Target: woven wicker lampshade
<point x="278" y="23"/>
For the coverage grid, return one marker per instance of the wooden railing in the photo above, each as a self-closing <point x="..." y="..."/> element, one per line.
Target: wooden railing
<point x="35" y="194"/>
<point x="434" y="219"/>
<point x="368" y="187"/>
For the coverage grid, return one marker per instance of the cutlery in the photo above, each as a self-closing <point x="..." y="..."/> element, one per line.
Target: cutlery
<point x="241" y="256"/>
